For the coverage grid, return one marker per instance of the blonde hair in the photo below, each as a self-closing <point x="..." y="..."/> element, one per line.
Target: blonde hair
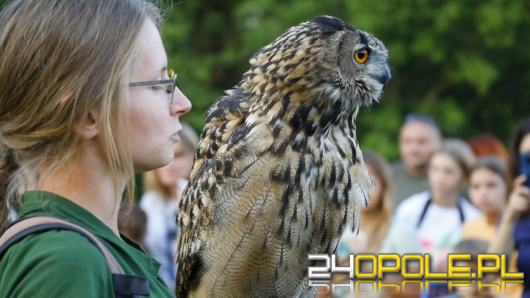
<point x="60" y="61"/>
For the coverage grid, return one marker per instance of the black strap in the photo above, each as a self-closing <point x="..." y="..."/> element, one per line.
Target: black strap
<point x="423" y="212"/>
<point x="124" y="285"/>
<point x="461" y="213"/>
<point x="426" y="207"/>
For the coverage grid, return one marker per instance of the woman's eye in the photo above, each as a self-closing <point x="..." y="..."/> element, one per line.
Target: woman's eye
<point x="157" y="87"/>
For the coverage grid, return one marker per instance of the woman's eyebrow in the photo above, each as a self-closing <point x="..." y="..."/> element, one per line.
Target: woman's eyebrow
<point x="161" y="70"/>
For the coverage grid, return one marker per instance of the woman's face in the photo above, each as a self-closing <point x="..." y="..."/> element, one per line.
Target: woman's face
<point x="488" y="191"/>
<point x="376" y="193"/>
<point x="445" y="174"/>
<point x="154" y="122"/>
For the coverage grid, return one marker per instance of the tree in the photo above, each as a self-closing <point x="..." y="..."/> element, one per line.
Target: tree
<point x="463" y="62"/>
<point x="466" y="63"/>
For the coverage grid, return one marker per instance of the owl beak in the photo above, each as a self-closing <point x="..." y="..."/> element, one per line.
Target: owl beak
<point x="384" y="79"/>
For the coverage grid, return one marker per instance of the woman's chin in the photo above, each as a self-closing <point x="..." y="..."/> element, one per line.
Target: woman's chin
<point x="152" y="163"/>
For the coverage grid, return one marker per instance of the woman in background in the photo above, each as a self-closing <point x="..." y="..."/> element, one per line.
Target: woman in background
<point x="160" y="203"/>
<point x="488" y="190"/>
<point x="486" y="144"/>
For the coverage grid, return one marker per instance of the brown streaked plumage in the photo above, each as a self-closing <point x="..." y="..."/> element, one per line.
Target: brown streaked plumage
<point x="278" y="173"/>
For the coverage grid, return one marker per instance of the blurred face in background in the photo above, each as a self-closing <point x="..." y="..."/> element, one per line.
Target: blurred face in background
<point x="445" y="174"/>
<point x="183" y="161"/>
<point x="417" y="142"/>
<point x="375" y="193"/>
<point x="488" y="191"/>
<point x="178" y="168"/>
<point x="168" y="175"/>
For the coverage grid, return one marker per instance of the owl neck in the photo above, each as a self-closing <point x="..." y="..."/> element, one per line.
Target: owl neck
<point x="298" y="121"/>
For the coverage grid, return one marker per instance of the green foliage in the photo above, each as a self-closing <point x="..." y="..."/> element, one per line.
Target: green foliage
<point x="466" y="63"/>
<point x="463" y="62"/>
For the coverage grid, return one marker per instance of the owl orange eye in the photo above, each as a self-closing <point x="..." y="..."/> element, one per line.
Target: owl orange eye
<point x="361" y="56"/>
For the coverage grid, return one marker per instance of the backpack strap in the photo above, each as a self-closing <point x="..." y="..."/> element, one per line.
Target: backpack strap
<point x="423" y="212"/>
<point x="426" y="207"/>
<point x="124" y="285"/>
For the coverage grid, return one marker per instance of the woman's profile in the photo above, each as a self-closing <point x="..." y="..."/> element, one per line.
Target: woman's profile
<point x="87" y="100"/>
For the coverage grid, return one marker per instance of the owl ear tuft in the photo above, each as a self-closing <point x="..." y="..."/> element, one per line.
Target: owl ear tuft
<point x="333" y="23"/>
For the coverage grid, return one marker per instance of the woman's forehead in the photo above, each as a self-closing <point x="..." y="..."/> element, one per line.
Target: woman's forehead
<point x="444" y="158"/>
<point x="481" y="172"/>
<point x="151" y="57"/>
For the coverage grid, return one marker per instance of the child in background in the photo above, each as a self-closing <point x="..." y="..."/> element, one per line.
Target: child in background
<point x="488" y="190"/>
<point x="430" y="222"/>
<point x="486" y="144"/>
<point x="514" y="229"/>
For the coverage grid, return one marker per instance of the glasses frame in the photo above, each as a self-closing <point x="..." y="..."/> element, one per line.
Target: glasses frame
<point x="172" y="80"/>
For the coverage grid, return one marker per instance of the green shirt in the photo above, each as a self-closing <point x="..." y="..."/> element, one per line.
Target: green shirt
<point x="62" y="263"/>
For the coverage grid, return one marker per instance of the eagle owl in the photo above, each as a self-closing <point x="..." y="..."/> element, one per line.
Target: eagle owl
<point x="278" y="173"/>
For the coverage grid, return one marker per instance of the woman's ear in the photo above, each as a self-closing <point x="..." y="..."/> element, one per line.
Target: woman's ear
<point x="88" y="128"/>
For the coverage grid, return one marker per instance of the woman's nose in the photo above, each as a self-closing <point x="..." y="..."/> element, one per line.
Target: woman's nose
<point x="181" y="104"/>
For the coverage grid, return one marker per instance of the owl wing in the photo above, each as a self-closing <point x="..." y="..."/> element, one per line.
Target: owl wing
<point x="222" y="131"/>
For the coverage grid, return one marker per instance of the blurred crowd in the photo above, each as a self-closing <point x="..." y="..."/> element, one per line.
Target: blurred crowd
<point x="444" y="195"/>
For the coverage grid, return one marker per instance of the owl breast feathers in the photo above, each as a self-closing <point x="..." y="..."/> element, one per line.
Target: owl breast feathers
<point x="278" y="173"/>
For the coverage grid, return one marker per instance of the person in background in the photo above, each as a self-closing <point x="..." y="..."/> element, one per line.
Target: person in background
<point x="514" y="230"/>
<point x="164" y="187"/>
<point x="473" y="247"/>
<point x="419" y="138"/>
<point x="487" y="145"/>
<point x="489" y="187"/>
<point x="488" y="190"/>
<point x="184" y="152"/>
<point x="417" y="226"/>
<point x="375" y="217"/>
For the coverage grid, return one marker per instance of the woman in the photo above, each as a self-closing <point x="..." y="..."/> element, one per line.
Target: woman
<point x="416" y="226"/>
<point x="375" y="217"/>
<point x="514" y="230"/>
<point x="160" y="203"/>
<point x="86" y="101"/>
<point x="488" y="190"/>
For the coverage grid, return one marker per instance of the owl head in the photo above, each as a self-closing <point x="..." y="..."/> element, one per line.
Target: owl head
<point x="326" y="59"/>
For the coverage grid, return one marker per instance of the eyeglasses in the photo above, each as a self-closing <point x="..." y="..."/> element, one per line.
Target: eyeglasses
<point x="170" y="84"/>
